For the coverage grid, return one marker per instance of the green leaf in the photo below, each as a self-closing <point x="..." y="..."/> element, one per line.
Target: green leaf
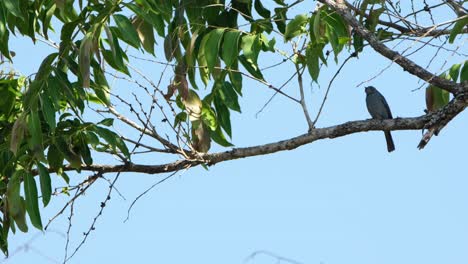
<point x="13" y="6"/>
<point x="202" y="62"/>
<point x="454" y="72"/>
<point x="295" y="27"/>
<point x="261" y="10"/>
<point x="46" y="186"/>
<point x="219" y="137"/>
<point x="190" y="58"/>
<point x="230" y="47"/>
<point x="223" y="115"/>
<point x="209" y="117"/>
<point x="32" y="204"/>
<point x="280" y="19"/>
<point x="48" y="110"/>
<point x="267" y="45"/>
<point x="35" y="130"/>
<point x="464" y="72"/>
<point x="145" y="33"/>
<point x="436" y="98"/>
<point x="312" y="61"/>
<point x="113" y="139"/>
<point x="48" y="17"/>
<point x="457" y="29"/>
<point x="101" y="87"/>
<point x="17" y="134"/>
<point x="16" y="208"/>
<point x="84" y="149"/>
<point x="211" y="47"/>
<point x="54" y="157"/>
<point x="236" y="78"/>
<point x="46" y="67"/>
<point x="251" y="47"/>
<point x="179" y="118"/>
<point x="128" y="32"/>
<point x="107" y="122"/>
<point x="251" y="67"/>
<point x="229" y="96"/>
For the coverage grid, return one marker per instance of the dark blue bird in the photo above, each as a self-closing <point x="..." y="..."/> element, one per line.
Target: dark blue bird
<point x="378" y="108"/>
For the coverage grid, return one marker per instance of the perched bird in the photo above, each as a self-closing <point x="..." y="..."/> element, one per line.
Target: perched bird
<point x="379" y="109"/>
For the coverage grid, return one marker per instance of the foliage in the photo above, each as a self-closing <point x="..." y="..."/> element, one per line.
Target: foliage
<point x="43" y="130"/>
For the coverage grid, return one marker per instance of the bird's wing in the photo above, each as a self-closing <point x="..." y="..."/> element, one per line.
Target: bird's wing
<point x="387" y="108"/>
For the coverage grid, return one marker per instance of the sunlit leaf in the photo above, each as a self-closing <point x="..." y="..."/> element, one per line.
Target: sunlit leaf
<point x="129" y="34"/>
<point x="230" y="49"/>
<point x="295" y="27"/>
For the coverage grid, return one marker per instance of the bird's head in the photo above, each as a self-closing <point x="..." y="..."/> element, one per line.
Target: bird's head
<point x="370" y="89"/>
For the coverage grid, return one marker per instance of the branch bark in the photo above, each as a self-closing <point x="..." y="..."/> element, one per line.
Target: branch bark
<point x="407" y="65"/>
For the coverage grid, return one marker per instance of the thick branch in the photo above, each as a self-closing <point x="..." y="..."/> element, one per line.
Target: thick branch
<point x="440" y="119"/>
<point x="405" y="63"/>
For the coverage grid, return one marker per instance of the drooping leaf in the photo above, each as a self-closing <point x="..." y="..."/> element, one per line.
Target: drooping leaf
<point x="219" y="137"/>
<point x="230" y="47"/>
<point x="464" y="72"/>
<point x="202" y="63"/>
<point x="236" y="78"/>
<point x="16" y="206"/>
<point x="46" y="67"/>
<point x="101" y="87"/>
<point x="454" y="72"/>
<point x="114" y="140"/>
<point x="457" y="28"/>
<point x="128" y="32"/>
<point x="208" y="117"/>
<point x="31" y="197"/>
<point x="280" y="19"/>
<point x="229" y="96"/>
<point x="85" y="59"/>
<point x="46" y="186"/>
<point x="223" y="115"/>
<point x="211" y="47"/>
<point x="48" y="110"/>
<point x="436" y="98"/>
<point x="251" y="67"/>
<point x="17" y="134"/>
<point x="261" y="10"/>
<point x="295" y="27"/>
<point x="312" y="61"/>
<point x="251" y="47"/>
<point x="13" y="6"/>
<point x="145" y="33"/>
<point x="35" y="131"/>
<point x="54" y="157"/>
<point x="48" y="17"/>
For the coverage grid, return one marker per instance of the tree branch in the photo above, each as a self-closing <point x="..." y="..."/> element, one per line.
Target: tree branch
<point x="405" y="63"/>
<point x="419" y="32"/>
<point x="438" y="119"/>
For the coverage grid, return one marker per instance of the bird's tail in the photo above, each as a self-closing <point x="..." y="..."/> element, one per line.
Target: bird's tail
<point x="389" y="139"/>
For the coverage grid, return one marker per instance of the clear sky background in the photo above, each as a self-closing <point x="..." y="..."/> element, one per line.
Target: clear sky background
<point x="336" y="201"/>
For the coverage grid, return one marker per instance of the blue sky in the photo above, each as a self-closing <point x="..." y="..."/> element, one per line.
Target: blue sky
<point x="344" y="200"/>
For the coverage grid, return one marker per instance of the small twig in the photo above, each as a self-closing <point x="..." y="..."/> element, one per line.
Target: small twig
<point x="329" y="86"/>
<point x="303" y="102"/>
<point x="146" y="191"/>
